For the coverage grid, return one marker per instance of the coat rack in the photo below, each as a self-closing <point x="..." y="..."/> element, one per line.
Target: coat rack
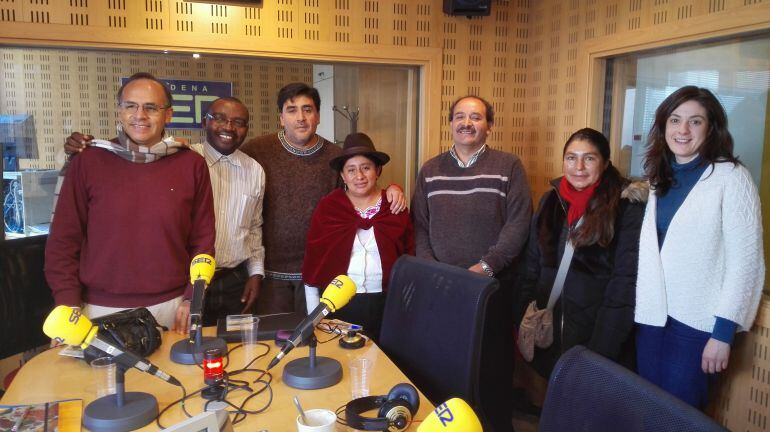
<point x="351" y="116"/>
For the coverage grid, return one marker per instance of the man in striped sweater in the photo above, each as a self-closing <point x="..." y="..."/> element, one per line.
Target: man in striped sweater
<point x="472" y="204"/>
<point x="472" y="208"/>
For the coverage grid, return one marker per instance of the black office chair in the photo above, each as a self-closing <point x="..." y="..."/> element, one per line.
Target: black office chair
<point x="588" y="392"/>
<point x="25" y="298"/>
<point x="432" y="327"/>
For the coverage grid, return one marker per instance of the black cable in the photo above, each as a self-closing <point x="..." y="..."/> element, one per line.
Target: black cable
<point x="255" y="358"/>
<point x="243" y="412"/>
<point x="240" y="411"/>
<point x="13" y="208"/>
<point x="230" y="384"/>
<point x="328" y="328"/>
<point x="182" y="399"/>
<point x="264" y="372"/>
<point x="335" y="337"/>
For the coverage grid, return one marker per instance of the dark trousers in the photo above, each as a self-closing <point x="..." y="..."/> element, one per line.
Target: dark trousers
<point x="280" y="296"/>
<point x="670" y="357"/>
<point x="364" y="309"/>
<point x="496" y="374"/>
<point x="223" y="296"/>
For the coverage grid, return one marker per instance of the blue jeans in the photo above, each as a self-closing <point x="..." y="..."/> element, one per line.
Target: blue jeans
<point x="670" y="357"/>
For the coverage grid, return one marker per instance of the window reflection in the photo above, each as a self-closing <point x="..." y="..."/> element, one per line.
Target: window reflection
<point x="46" y="94"/>
<point x="736" y="71"/>
<point x="27" y="194"/>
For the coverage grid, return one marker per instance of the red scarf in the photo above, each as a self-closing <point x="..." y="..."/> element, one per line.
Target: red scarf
<point x="332" y="232"/>
<point x="578" y="200"/>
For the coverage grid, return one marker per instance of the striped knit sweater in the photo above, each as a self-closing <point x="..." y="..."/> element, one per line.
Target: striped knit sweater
<point x="463" y="215"/>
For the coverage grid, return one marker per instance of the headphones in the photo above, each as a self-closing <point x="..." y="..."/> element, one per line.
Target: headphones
<point x="394" y="411"/>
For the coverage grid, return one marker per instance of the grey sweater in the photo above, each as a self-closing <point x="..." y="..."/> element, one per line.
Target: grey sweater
<point x="463" y="215"/>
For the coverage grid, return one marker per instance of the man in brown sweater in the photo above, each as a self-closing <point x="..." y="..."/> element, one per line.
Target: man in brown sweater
<point x="472" y="208"/>
<point x="298" y="175"/>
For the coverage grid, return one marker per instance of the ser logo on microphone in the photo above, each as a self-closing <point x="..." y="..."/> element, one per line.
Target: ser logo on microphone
<point x="444" y="414"/>
<point x="336" y="282"/>
<point x="201" y="260"/>
<point x="74" y="316"/>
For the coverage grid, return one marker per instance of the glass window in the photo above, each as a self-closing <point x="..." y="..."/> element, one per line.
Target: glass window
<point x="27" y="192"/>
<point x="737" y="71"/>
<point x="48" y="93"/>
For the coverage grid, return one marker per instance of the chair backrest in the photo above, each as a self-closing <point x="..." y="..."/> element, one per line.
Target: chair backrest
<point x="432" y="326"/>
<point x="588" y="392"/>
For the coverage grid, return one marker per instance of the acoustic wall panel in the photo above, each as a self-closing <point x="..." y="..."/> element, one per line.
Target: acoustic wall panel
<point x="74" y="90"/>
<point x="523" y="57"/>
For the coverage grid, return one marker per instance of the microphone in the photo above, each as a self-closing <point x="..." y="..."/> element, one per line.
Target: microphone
<point x="202" y="270"/>
<point x="191" y="350"/>
<point x="452" y="415"/>
<point x="336" y="295"/>
<point x="67" y="325"/>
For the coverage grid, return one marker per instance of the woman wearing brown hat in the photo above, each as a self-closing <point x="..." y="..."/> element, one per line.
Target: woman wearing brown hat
<point x="353" y="232"/>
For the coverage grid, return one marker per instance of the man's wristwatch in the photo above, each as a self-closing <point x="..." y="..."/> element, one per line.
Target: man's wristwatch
<point x="487" y="269"/>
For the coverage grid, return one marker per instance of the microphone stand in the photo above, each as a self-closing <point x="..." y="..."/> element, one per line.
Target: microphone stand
<point x="312" y="372"/>
<point x="121" y="411"/>
<point x="190" y="351"/>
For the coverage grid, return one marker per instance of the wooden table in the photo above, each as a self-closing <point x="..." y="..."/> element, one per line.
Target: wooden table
<point x="49" y="377"/>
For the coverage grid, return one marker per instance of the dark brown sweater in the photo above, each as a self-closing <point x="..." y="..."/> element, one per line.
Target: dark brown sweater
<point x="294" y="185"/>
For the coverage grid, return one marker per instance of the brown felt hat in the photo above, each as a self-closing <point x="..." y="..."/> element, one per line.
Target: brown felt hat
<point x="358" y="144"/>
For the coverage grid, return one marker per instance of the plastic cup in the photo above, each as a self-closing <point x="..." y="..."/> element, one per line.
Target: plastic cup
<point x="318" y="420"/>
<point x="249" y="327"/>
<point x="103" y="370"/>
<point x="360" y="370"/>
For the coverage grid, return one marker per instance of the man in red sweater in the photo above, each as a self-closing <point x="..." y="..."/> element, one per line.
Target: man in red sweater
<point x="131" y="215"/>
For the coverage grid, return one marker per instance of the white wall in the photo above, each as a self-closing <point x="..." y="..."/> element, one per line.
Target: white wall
<point x="323" y="81"/>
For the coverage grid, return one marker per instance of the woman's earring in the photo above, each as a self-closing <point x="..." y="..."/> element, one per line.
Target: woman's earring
<point x="345" y="187"/>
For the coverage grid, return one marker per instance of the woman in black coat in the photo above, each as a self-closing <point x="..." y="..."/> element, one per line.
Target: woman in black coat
<point x="596" y="306"/>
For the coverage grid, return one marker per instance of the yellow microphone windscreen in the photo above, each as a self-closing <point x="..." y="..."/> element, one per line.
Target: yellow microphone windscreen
<point x="202" y="267"/>
<point x="452" y="415"/>
<point x="67" y="325"/>
<point x="339" y="292"/>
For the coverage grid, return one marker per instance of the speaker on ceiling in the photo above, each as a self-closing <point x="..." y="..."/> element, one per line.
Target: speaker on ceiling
<point x="468" y="8"/>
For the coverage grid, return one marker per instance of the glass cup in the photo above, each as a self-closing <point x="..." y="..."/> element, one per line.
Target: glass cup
<point x="249" y="327"/>
<point x="318" y="420"/>
<point x="103" y="370"/>
<point x="360" y="370"/>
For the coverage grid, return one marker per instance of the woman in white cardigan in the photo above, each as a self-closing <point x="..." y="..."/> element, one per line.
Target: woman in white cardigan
<point x="701" y="265"/>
